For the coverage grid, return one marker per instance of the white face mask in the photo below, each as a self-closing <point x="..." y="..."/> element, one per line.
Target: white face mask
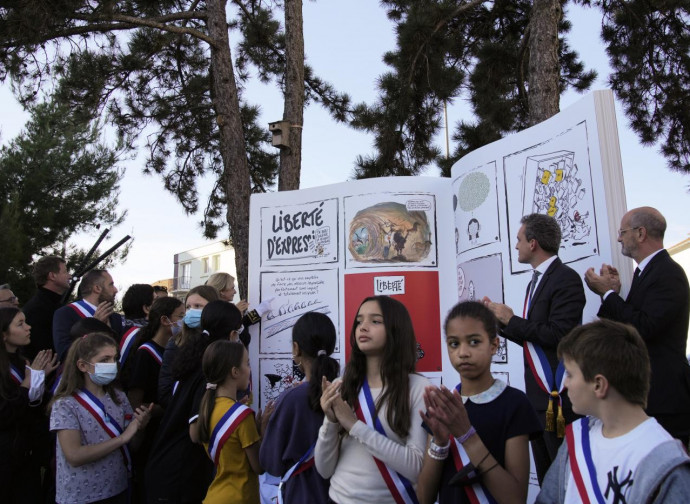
<point x="103" y="373"/>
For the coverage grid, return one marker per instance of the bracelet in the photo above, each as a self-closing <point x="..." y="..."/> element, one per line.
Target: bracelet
<point x="470" y="432"/>
<point x="483" y="459"/>
<point x="437" y="452"/>
<point x="492" y="467"/>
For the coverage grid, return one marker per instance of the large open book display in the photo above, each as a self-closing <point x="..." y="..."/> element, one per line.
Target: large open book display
<point x="433" y="241"/>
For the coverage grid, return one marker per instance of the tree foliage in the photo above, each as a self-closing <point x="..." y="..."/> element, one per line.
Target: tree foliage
<point x="57" y="178"/>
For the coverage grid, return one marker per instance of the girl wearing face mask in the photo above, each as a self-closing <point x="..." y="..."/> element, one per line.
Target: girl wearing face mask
<point x="196" y="299"/>
<point x="94" y="424"/>
<point x="140" y="371"/>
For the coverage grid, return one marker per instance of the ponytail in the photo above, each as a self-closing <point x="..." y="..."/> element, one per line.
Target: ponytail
<point x="323" y="365"/>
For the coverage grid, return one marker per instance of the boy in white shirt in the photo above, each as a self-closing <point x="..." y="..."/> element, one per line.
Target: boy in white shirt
<point x="616" y="453"/>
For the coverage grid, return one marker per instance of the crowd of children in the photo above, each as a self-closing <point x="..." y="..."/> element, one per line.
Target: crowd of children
<point x="380" y="433"/>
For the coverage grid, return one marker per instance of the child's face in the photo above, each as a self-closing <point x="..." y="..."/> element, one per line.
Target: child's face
<point x="18" y="333"/>
<point x="580" y="391"/>
<point x="242" y="376"/>
<point x="469" y="347"/>
<point x="370" y="333"/>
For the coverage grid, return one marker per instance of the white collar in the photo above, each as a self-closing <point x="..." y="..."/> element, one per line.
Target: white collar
<point x="644" y="262"/>
<point x="545" y="264"/>
<point x="489" y="394"/>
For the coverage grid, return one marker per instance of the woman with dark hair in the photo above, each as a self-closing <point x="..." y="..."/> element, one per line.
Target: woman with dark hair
<point x="294" y="425"/>
<point x="196" y="299"/>
<point x="21" y="409"/>
<point x="178" y="470"/>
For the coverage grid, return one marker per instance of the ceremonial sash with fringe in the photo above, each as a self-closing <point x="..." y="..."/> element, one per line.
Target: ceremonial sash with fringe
<point x="126" y="343"/>
<point x="95" y="407"/>
<point x="225" y="427"/>
<point x="400" y="487"/>
<point x="581" y="463"/>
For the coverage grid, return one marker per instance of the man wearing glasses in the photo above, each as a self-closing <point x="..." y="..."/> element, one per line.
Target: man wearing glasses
<point x="7" y="297"/>
<point x="658" y="305"/>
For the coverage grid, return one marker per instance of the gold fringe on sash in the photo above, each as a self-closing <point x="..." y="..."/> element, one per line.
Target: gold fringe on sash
<point x="561" y="422"/>
<point x="550" y="417"/>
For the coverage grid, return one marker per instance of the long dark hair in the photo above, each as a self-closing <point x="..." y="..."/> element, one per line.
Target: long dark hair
<point x="220" y="318"/>
<point x="84" y="348"/>
<point x="161" y="307"/>
<point x="315" y="335"/>
<point x="217" y="363"/>
<point x="7" y="388"/>
<point x="397" y="363"/>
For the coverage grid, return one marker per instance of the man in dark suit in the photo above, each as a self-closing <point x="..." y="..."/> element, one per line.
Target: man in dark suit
<point x="658" y="305"/>
<point x="554" y="301"/>
<point x="98" y="297"/>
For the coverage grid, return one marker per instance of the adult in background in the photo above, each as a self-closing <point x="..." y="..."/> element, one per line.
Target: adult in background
<point x="554" y="301"/>
<point x="136" y="304"/>
<point x="98" y="297"/>
<point x="7" y="297"/>
<point x="658" y="305"/>
<point x="52" y="281"/>
<point x="160" y="291"/>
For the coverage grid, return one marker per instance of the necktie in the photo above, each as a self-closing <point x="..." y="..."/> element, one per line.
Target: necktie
<point x="635" y="280"/>
<point x="532" y="285"/>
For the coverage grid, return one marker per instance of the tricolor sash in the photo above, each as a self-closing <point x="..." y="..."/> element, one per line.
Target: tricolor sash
<point x="304" y="463"/>
<point x="16" y="374"/>
<point x="225" y="427"/>
<point x="400" y="487"/>
<point x="476" y="493"/>
<point x="581" y="463"/>
<point x="153" y="351"/>
<point x="126" y="343"/>
<point x="82" y="308"/>
<point x="95" y="407"/>
<point x="553" y="386"/>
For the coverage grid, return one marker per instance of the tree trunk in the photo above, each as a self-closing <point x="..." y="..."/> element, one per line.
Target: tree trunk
<point x="291" y="158"/>
<point x="232" y="144"/>
<point x="544" y="69"/>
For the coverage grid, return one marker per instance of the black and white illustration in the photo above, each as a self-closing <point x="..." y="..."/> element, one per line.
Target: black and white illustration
<point x="475" y="203"/>
<point x="295" y="293"/>
<point x="390" y="229"/>
<point x="554" y="178"/>
<point x="481" y="277"/>
<point x="305" y="233"/>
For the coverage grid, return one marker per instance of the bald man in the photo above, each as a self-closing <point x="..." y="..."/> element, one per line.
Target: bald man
<point x="658" y="305"/>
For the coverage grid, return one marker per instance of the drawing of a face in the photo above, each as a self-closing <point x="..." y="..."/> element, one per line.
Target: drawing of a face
<point x="370" y="334"/>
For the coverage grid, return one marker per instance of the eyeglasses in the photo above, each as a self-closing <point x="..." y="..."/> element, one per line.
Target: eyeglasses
<point x="621" y="232"/>
<point x="11" y="299"/>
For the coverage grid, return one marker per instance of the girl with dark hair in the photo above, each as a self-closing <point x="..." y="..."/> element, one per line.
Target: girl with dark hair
<point x="294" y="425"/>
<point x="485" y="423"/>
<point x="179" y="470"/>
<point x="94" y="424"/>
<point x="375" y="455"/>
<point x="227" y="428"/>
<point x="197" y="298"/>
<point x="21" y="409"/>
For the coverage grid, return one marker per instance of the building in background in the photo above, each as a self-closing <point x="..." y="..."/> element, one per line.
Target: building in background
<point x="194" y="266"/>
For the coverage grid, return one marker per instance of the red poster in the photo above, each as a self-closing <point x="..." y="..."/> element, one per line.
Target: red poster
<point x="421" y="299"/>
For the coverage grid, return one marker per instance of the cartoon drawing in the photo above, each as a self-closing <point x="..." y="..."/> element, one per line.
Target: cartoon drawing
<point x="475" y="201"/>
<point x="276" y="376"/>
<point x="392" y="232"/>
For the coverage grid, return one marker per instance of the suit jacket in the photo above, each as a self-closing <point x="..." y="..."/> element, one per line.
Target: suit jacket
<point x="39" y="311"/>
<point x="556" y="308"/>
<point x="658" y="306"/>
<point x="63" y="320"/>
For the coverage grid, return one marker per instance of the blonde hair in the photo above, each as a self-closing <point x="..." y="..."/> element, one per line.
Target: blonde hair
<point x="220" y="280"/>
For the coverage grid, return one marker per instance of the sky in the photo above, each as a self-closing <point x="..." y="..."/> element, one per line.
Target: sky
<point x="345" y="43"/>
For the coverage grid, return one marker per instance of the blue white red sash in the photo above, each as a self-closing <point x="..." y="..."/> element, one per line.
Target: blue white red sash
<point x="541" y="369"/>
<point x="225" y="427"/>
<point x="16" y="374"/>
<point x="581" y="463"/>
<point x="83" y="309"/>
<point x="153" y="351"/>
<point x="476" y="493"/>
<point x="126" y="343"/>
<point x="400" y="487"/>
<point x="304" y="463"/>
<point x="95" y="407"/>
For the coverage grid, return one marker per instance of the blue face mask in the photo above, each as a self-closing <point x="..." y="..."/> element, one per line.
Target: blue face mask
<point x="192" y="318"/>
<point x="176" y="327"/>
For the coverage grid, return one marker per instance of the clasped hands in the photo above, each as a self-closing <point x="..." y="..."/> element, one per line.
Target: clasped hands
<point x="333" y="405"/>
<point x="445" y="414"/>
<point x="607" y="279"/>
